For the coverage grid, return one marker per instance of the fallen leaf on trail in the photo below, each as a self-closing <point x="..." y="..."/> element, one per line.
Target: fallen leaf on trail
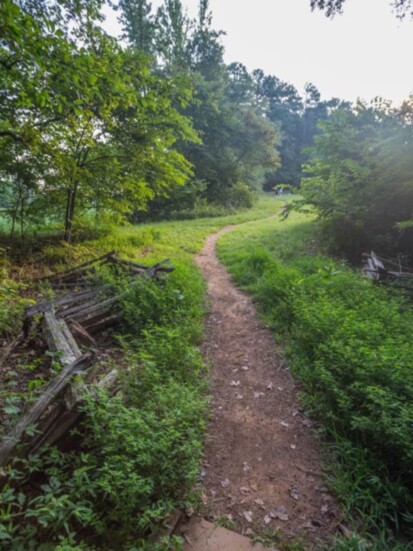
<point x="225" y="483"/>
<point x="267" y="519"/>
<point x="246" y="468"/>
<point x="248" y="516"/>
<point x="234" y="383"/>
<point x="293" y="446"/>
<point x="270" y="386"/>
<point x="244" y="490"/>
<point x="294" y="494"/>
<point x="258" y="394"/>
<point x="245" y="368"/>
<point x="280" y="388"/>
<point x="280" y="513"/>
<point x="239" y="396"/>
<point x="259" y="502"/>
<point x="284" y="424"/>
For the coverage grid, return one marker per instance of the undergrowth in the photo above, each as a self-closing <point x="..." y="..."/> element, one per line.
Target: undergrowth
<point x="350" y="344"/>
<point x="136" y="455"/>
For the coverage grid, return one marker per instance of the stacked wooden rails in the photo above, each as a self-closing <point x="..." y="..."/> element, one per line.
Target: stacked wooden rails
<point x="81" y="309"/>
<point x="388" y="271"/>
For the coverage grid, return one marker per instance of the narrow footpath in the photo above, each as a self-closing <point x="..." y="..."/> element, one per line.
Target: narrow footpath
<point x="262" y="467"/>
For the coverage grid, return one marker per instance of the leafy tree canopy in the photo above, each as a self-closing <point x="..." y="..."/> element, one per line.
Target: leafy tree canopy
<point x="402" y="8"/>
<point x="360" y="178"/>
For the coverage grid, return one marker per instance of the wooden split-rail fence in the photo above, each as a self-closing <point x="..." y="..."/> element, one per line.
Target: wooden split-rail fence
<point x="80" y="310"/>
<point x="388" y="271"/>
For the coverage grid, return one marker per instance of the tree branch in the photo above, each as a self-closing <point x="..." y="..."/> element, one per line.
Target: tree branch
<point x="10" y="134"/>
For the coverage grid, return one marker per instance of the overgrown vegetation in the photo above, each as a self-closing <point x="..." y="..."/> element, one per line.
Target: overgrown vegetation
<point x="151" y="127"/>
<point x="139" y="451"/>
<point x="359" y="180"/>
<point x="349" y="343"/>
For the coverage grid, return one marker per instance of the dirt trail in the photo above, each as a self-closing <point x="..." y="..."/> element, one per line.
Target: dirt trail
<point x="262" y="460"/>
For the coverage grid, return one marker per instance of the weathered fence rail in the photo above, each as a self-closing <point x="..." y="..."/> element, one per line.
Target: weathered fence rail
<point x="66" y="321"/>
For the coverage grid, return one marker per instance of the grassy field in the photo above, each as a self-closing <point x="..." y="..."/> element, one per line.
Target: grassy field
<point x="350" y="345"/>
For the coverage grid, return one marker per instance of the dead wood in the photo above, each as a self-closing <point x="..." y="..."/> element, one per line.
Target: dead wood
<point x="99" y="324"/>
<point x="90" y="309"/>
<point x="64" y="300"/>
<point x="68" y="412"/>
<point x="78" y="268"/>
<point x="60" y="339"/>
<point x="87" y="309"/>
<point x="48" y="396"/>
<point x="77" y="329"/>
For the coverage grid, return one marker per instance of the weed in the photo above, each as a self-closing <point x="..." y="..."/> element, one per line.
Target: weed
<point x="226" y="522"/>
<point x="267" y="536"/>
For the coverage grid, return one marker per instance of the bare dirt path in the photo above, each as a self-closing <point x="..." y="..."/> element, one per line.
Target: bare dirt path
<point x="262" y="468"/>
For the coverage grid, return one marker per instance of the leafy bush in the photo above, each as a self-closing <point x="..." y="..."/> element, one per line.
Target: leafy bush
<point x="360" y="179"/>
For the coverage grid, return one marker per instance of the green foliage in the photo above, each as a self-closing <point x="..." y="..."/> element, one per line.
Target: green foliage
<point x="140" y="449"/>
<point x="238" y="143"/>
<point x="350" y="345"/>
<point x="91" y="125"/>
<point x="359" y="180"/>
<point x="403" y="8"/>
<point x="11" y="303"/>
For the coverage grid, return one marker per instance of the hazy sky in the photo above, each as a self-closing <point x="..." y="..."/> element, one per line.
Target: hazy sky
<point x="365" y="52"/>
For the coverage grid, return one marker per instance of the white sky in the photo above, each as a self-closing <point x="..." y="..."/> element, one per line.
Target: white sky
<point x="366" y="52"/>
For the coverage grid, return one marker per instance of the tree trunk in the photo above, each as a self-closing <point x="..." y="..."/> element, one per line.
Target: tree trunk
<point x="70" y="210"/>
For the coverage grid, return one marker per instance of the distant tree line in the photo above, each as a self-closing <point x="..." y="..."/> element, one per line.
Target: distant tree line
<point x="159" y="123"/>
<point x="90" y="125"/>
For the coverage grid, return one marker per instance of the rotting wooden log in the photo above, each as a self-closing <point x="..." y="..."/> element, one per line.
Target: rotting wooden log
<point x="64" y="300"/>
<point x="60" y="339"/>
<point x="98" y="325"/>
<point x="376" y="269"/>
<point x="70" y="285"/>
<point x="160" y="266"/>
<point x="65" y="415"/>
<point x="72" y="310"/>
<point x="89" y="309"/>
<point x="48" y="396"/>
<point x="94" y="319"/>
<point x="78" y="329"/>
